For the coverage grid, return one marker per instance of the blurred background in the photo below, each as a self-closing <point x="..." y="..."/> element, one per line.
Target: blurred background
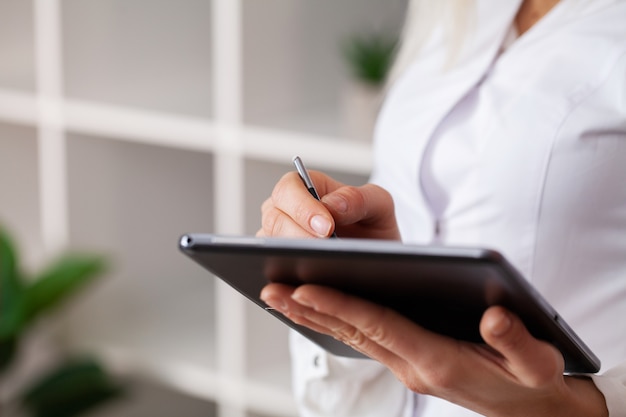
<point x="126" y="123"/>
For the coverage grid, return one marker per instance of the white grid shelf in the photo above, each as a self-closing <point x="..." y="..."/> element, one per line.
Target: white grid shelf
<point x="229" y="136"/>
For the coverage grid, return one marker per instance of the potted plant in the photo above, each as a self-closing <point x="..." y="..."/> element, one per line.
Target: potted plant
<point x="369" y="58"/>
<point x="73" y="385"/>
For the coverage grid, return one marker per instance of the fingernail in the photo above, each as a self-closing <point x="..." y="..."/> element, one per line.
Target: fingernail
<point x="502" y="326"/>
<point x="298" y="298"/>
<point x="338" y="203"/>
<point x="276" y="304"/>
<point x="321" y="225"/>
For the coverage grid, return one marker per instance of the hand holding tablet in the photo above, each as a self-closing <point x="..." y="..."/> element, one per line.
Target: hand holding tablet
<point x="445" y="290"/>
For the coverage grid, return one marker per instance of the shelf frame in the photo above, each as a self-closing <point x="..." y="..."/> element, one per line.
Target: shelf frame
<point x="225" y="136"/>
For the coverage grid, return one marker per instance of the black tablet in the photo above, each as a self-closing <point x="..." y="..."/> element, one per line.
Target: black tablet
<point x="443" y="289"/>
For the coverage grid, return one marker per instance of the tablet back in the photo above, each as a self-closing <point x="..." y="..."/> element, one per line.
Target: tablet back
<point x="443" y="289"/>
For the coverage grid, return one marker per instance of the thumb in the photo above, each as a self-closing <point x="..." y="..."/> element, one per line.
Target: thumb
<point x="533" y="362"/>
<point x="368" y="205"/>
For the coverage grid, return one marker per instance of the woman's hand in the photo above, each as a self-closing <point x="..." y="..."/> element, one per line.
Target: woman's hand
<point x="512" y="375"/>
<point x="360" y="212"/>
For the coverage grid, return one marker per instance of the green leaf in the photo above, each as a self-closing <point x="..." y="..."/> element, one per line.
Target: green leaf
<point x="70" y="389"/>
<point x="370" y="56"/>
<point x="10" y="285"/>
<point x="8" y="349"/>
<point x="11" y="298"/>
<point x="12" y="321"/>
<point x="60" y="280"/>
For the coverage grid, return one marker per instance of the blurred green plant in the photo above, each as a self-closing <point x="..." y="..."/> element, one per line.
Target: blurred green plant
<point x="369" y="56"/>
<point x="76" y="384"/>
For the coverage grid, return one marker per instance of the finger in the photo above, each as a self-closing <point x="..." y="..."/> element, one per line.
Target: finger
<point x="380" y="325"/>
<point x="279" y="297"/>
<point x="533" y="362"/>
<point x="368" y="205"/>
<point x="278" y="223"/>
<point x="292" y="198"/>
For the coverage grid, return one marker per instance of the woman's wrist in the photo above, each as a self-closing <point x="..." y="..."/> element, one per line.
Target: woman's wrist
<point x="586" y="399"/>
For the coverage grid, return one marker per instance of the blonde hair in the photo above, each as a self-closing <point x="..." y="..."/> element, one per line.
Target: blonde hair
<point x="423" y="18"/>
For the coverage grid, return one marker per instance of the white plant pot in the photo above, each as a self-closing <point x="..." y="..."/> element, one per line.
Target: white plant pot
<point x="360" y="104"/>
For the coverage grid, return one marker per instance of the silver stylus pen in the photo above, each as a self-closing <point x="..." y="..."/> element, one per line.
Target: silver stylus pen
<point x="306" y="179"/>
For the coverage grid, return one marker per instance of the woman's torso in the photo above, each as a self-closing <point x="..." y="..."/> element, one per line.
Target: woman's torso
<point x="523" y="151"/>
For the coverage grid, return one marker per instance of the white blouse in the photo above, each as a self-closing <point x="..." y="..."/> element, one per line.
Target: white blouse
<point x="522" y="150"/>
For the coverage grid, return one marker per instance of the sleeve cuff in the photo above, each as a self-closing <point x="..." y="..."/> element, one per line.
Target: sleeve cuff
<point x="612" y="384"/>
<point x="327" y="385"/>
